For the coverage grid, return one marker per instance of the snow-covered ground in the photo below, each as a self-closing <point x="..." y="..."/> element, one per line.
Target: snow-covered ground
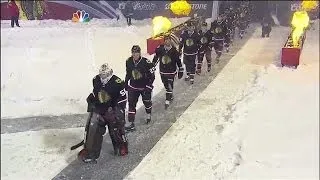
<point x="47" y="66"/>
<point x="254" y="121"/>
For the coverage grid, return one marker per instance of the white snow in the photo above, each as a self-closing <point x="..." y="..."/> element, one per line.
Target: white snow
<point x="242" y="128"/>
<point x="47" y="66"/>
<point x="38" y="155"/>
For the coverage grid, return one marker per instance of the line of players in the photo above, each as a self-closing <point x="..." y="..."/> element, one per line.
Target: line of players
<point x="109" y="97"/>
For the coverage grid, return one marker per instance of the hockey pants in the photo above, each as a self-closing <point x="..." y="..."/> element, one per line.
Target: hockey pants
<point x="190" y="62"/>
<point x="201" y="55"/>
<point x="227" y="40"/>
<point x="96" y="128"/>
<point x="133" y="97"/>
<point x="168" y="84"/>
<point x="218" y="47"/>
<point x="265" y="31"/>
<point x="15" y="20"/>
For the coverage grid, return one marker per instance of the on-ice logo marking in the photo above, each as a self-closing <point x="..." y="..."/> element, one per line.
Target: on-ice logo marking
<point x="80" y="16"/>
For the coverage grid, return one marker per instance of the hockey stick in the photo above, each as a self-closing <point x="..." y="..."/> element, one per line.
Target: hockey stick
<point x="85" y="133"/>
<point x="77" y="145"/>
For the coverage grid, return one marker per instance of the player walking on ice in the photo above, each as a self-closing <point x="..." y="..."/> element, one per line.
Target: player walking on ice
<point x="106" y="105"/>
<point x="139" y="82"/>
<point x="170" y="64"/>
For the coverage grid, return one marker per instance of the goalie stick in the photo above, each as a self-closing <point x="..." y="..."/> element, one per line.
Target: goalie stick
<point x="85" y="134"/>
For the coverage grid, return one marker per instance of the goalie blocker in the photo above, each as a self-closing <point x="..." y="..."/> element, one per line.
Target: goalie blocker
<point x="106" y="106"/>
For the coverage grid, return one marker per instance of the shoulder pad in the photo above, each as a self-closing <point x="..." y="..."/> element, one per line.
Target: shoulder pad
<point x="96" y="77"/>
<point x="128" y="59"/>
<point x="116" y="79"/>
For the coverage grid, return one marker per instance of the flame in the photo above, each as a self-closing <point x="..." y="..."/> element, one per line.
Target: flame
<point x="160" y="25"/>
<point x="300" y="21"/>
<point x="309" y="5"/>
<point x="180" y="7"/>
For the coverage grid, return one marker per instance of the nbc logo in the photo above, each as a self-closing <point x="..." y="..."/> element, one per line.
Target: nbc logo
<point x="80" y="16"/>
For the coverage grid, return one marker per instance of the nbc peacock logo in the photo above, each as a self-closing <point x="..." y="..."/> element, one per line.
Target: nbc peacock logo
<point x="80" y="16"/>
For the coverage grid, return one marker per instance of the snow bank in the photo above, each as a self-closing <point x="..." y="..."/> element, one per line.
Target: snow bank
<point x="47" y="66"/>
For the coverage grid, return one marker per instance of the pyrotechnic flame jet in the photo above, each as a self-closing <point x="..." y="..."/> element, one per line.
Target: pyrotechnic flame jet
<point x="300" y="20"/>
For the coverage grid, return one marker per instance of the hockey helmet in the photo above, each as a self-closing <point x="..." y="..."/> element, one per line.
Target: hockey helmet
<point x="204" y="24"/>
<point x="136" y="49"/>
<point x="191" y="26"/>
<point x="105" y="71"/>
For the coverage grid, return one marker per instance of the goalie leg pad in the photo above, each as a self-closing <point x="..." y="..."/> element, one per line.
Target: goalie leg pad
<point x="94" y="137"/>
<point x="117" y="134"/>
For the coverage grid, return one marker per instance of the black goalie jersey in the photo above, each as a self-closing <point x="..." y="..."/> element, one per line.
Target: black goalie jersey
<point x="169" y="60"/>
<point x="139" y="74"/>
<point x="107" y="95"/>
<point x="190" y="43"/>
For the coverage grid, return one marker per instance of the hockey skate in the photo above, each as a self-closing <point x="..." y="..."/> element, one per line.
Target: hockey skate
<point x="120" y="151"/>
<point x="148" y="119"/>
<point x="191" y="81"/>
<point x="209" y="68"/>
<point x="217" y="60"/>
<point x="166" y="104"/>
<point x="130" y="128"/>
<point x="84" y="157"/>
<point x="198" y="72"/>
<point x="227" y="49"/>
<point x="187" y="78"/>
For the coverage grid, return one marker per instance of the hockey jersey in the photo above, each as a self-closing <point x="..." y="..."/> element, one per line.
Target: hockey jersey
<point x="190" y="43"/>
<point x="139" y="74"/>
<point x="205" y="41"/>
<point x="169" y="60"/>
<point x="107" y="95"/>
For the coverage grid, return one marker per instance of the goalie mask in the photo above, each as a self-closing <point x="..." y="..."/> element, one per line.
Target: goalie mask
<point x="105" y="73"/>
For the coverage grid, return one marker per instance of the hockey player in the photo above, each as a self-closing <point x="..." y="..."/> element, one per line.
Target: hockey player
<point x="190" y="42"/>
<point x="242" y="23"/>
<point x="106" y="105"/>
<point x="266" y="27"/>
<point x="219" y="33"/>
<point x="170" y="64"/>
<point x="233" y="19"/>
<point x="227" y="22"/>
<point x="139" y="80"/>
<point x="205" y="48"/>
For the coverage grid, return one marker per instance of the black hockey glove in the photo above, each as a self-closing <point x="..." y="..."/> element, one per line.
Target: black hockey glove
<point x="91" y="103"/>
<point x="180" y="73"/>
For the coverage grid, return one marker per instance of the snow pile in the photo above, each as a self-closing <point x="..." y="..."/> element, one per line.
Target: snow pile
<point x="47" y="66"/>
<point x="38" y="155"/>
<point x="254" y="121"/>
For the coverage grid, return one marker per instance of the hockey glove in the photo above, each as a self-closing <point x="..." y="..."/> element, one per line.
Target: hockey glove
<point x="180" y="73"/>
